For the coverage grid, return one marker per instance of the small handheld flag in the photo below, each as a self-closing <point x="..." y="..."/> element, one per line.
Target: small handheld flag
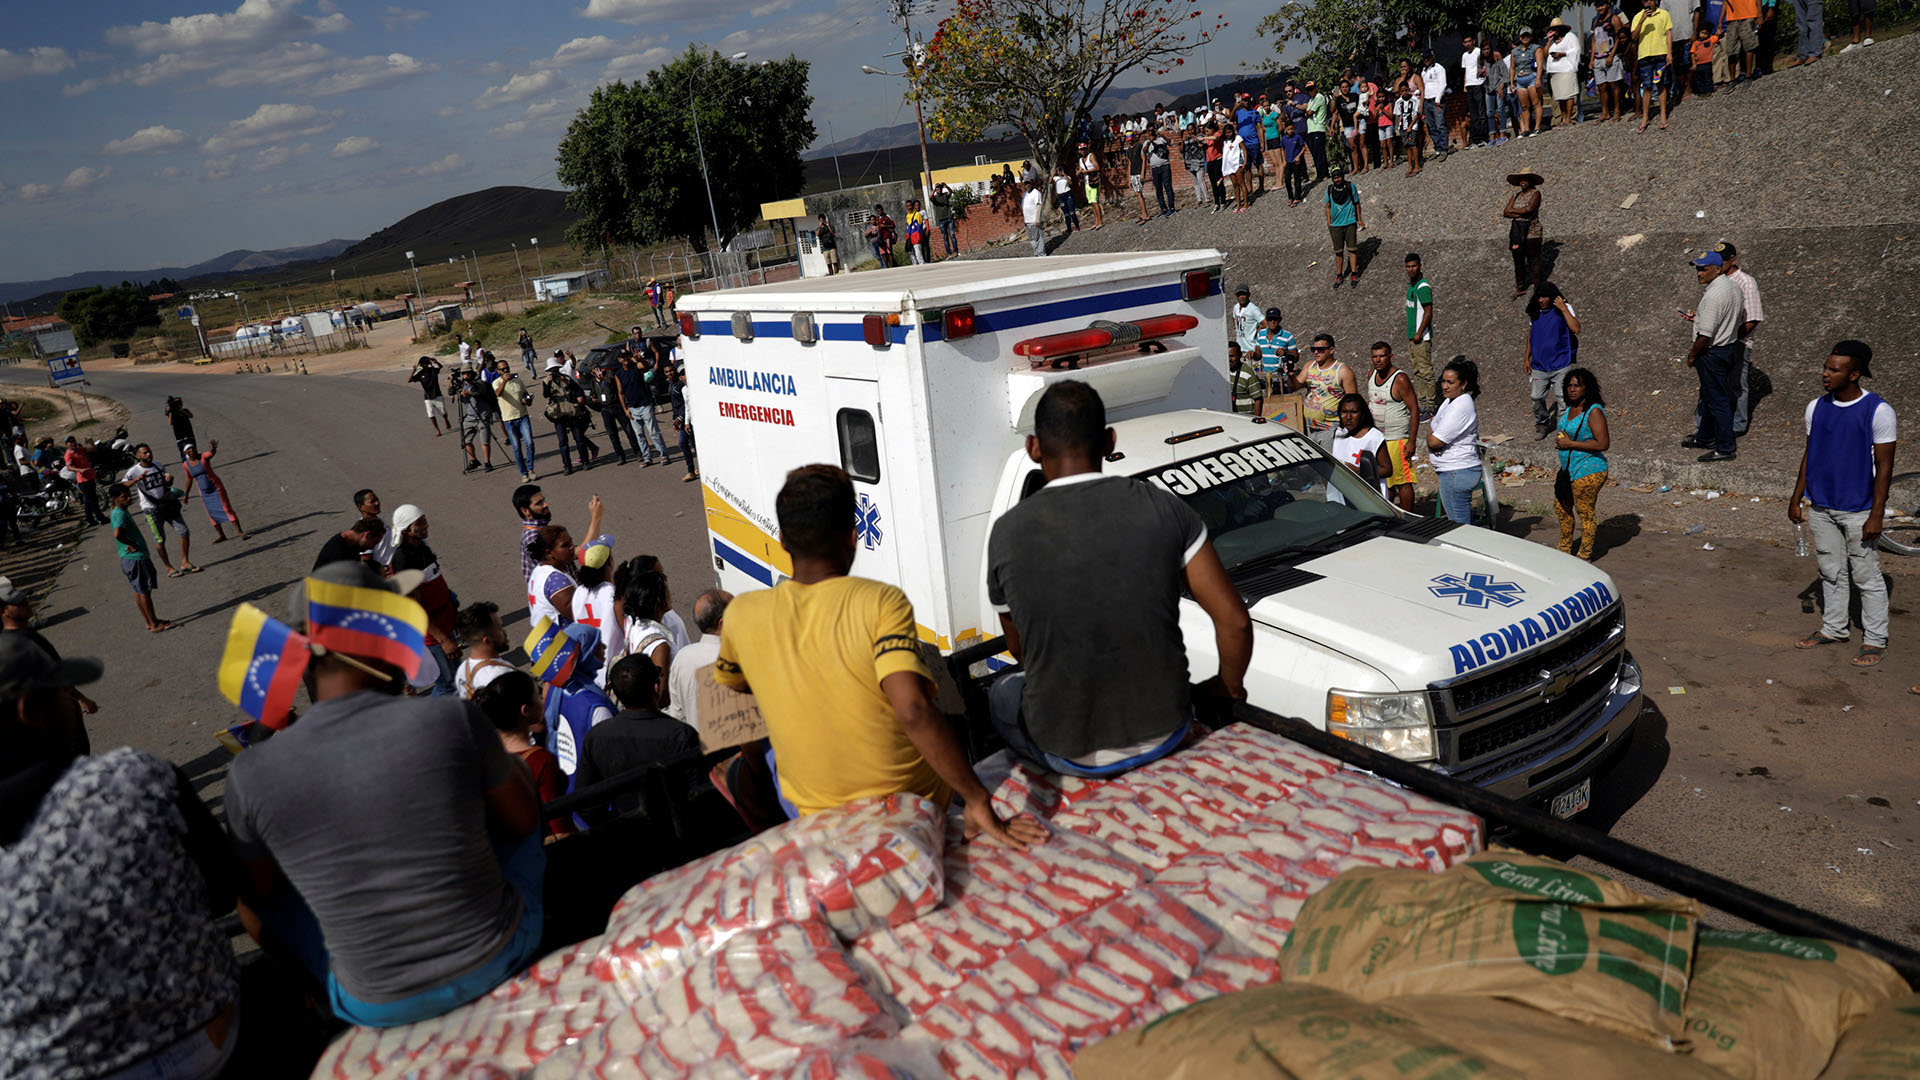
<point x="262" y="666"/>
<point x="554" y="653"/>
<point x="369" y="623"/>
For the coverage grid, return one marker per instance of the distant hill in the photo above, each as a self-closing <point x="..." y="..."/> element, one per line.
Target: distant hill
<point x="241" y="260"/>
<point x="489" y="219"/>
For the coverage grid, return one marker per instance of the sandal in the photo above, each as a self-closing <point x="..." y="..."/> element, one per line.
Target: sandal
<point x="176" y="573"/>
<point x="1817" y="640"/>
<point x="1869" y="655"/>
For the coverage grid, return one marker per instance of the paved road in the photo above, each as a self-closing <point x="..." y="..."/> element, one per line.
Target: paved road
<point x="293" y="449"/>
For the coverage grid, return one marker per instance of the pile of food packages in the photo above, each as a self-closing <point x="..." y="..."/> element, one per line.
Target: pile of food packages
<point x="873" y="941"/>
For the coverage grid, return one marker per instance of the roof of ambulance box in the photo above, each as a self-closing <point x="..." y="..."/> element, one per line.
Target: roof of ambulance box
<point x="952" y="281"/>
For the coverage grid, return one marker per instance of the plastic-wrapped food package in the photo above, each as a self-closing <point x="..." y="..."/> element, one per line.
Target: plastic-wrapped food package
<point x="858" y="867"/>
<point x="552" y="1005"/>
<point x="893" y="1060"/>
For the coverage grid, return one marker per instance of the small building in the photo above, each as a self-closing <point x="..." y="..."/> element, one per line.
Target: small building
<point x="444" y="315"/>
<point x="54" y="341"/>
<point x="850" y="209"/>
<point x="555" y="286"/>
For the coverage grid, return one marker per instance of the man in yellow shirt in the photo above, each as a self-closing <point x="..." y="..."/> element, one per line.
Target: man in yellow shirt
<point x="835" y="665"/>
<point x="1652" y="31"/>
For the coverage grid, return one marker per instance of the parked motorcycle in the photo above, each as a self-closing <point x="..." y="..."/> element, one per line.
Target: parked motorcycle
<point x="111" y="457"/>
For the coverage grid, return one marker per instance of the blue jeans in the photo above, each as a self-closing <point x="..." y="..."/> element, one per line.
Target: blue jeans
<point x="686" y="447"/>
<point x="1163" y="187"/>
<point x="577" y="434"/>
<point x="614" y="421"/>
<point x="443" y="682"/>
<point x="950" y="235"/>
<point x="1006" y="712"/>
<point x="523" y="863"/>
<point x="650" y="429"/>
<point x="1810" y="17"/>
<point x="529" y="358"/>
<point x="1067" y="212"/>
<point x="1717" y="369"/>
<point x="1456" y="493"/>
<point x="520" y="440"/>
<point x="1436" y="120"/>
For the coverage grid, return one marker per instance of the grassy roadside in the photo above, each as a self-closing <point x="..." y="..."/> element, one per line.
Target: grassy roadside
<point x="548" y="323"/>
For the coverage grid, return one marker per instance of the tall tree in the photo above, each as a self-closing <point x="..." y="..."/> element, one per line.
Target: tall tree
<point x="1347" y="33"/>
<point x="98" y="314"/>
<point x="1039" y="66"/>
<point x="630" y="164"/>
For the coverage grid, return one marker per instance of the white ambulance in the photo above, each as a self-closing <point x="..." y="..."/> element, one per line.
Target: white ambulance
<point x="1493" y="659"/>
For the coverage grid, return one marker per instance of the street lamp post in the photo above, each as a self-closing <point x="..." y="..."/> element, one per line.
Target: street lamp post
<point x="919" y="122"/>
<point x="516" y="265"/>
<point x="415" y="271"/>
<point x="539" y="263"/>
<point x="694" y="107"/>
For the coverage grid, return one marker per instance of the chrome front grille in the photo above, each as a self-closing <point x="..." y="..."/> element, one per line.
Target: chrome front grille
<point x="1528" y="699"/>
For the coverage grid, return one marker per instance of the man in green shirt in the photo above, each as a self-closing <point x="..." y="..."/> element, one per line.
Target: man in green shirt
<point x="1318" y="108"/>
<point x="134" y="560"/>
<point x="1248" y="387"/>
<point x="1420" y="332"/>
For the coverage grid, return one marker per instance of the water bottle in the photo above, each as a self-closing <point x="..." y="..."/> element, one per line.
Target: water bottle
<point x="1800" y="539"/>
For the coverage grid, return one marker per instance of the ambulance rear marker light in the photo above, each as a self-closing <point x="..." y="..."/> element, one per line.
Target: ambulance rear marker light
<point x="874" y="328"/>
<point x="1189" y="436"/>
<point x="804" y="330"/>
<point x="957" y="322"/>
<point x="1196" y="284"/>
<point x="689" y="325"/>
<point x="1094" y="337"/>
<point x="743" y="325"/>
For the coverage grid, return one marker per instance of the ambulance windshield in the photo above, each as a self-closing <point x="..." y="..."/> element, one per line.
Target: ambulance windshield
<point x="1268" y="499"/>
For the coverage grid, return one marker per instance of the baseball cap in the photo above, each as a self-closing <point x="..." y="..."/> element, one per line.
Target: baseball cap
<point x="11" y="593"/>
<point x="1243" y="291"/>
<point x="406" y="514"/>
<point x="1726" y="250"/>
<point x="1709" y="259"/>
<point x="1273" y="313"/>
<point x="597" y="554"/>
<point x="1340" y="172"/>
<point x="25" y="666"/>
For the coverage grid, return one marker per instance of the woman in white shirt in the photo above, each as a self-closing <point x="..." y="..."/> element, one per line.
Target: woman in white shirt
<point x="593" y="601"/>
<point x="1233" y="156"/>
<point x="1563" y="69"/>
<point x="1359" y="443"/>
<point x="550" y="587"/>
<point x="644" y="599"/>
<point x="1454" y="439"/>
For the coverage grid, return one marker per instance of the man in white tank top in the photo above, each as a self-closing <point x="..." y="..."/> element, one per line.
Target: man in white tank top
<point x="1396" y="409"/>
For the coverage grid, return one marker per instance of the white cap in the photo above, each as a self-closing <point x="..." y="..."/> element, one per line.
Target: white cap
<point x="552" y="364"/>
<point x="406" y="515"/>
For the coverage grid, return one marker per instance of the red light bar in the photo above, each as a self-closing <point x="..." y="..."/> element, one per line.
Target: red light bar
<point x="1079" y="341"/>
<point x="874" y="327"/>
<point x="957" y="322"/>
<point x="689" y="324"/>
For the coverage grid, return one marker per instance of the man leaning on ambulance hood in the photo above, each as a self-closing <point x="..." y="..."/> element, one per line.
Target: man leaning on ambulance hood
<point x="1086" y="575"/>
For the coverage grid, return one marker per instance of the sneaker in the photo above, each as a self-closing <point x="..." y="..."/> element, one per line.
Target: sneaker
<point x="689" y="478"/>
<point x="1851" y="47"/>
<point x="488" y="466"/>
<point x="1540" y="431"/>
<point x="1692" y="442"/>
<point x="471" y="465"/>
<point x="1866" y="43"/>
<point x="1715" y="455"/>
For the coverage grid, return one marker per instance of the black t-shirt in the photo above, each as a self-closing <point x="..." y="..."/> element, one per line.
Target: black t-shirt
<point x="631" y="739"/>
<point x="338" y="549"/>
<point x="429" y="380"/>
<point x="632" y="388"/>
<point x="483" y="397"/>
<point x="182" y="422"/>
<point x="1128" y="543"/>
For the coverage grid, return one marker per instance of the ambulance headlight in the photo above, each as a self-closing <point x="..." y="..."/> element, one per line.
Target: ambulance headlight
<point x="1400" y="724"/>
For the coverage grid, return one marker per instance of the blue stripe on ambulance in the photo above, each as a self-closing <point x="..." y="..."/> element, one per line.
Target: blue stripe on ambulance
<point x="747" y="565"/>
<point x="1012" y="319"/>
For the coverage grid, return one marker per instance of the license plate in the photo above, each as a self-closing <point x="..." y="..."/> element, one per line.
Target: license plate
<point x="1573" y="800"/>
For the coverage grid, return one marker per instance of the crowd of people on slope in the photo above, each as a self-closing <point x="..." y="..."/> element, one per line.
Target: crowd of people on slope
<point x="626" y="395"/>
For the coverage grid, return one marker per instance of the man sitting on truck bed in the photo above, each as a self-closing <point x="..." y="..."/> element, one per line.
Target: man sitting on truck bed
<point x="836" y="666"/>
<point x="1104" y="685"/>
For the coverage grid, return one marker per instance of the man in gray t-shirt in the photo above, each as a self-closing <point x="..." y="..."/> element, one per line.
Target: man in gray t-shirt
<point x="1716" y="351"/>
<point x="381" y="811"/>
<point x="1086" y="574"/>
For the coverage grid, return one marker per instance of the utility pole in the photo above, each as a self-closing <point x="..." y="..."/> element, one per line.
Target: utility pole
<point x="838" y="183"/>
<point x="902" y="9"/>
<point x="481" y="279"/>
<point x="539" y="262"/>
<point x="522" y="269"/>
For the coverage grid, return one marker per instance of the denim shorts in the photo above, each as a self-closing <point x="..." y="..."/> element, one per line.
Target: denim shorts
<point x="1652" y="72"/>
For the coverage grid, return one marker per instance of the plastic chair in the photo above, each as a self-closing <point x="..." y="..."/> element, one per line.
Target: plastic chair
<point x="1486" y="487"/>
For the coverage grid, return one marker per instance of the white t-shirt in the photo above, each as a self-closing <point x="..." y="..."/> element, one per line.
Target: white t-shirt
<point x="681" y="684"/>
<point x="1884" y="430"/>
<point x="1564" y="55"/>
<point x="1348" y="449"/>
<point x="1232" y="156"/>
<point x="593" y="605"/>
<point x="541" y="584"/>
<point x="466" y="352"/>
<point x="1061" y="185"/>
<point x="642" y="636"/>
<point x="1470" y="67"/>
<point x="473" y="674"/>
<point x="142" y="492"/>
<point x="676" y="630"/>
<point x="1435" y="78"/>
<point x="1031" y="205"/>
<point x="1681" y="12"/>
<point x="1456" y="423"/>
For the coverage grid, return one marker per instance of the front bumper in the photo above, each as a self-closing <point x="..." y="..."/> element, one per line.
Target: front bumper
<point x="1547" y="768"/>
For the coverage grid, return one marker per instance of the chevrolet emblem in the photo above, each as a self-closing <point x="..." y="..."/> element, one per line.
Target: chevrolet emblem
<point x="1552" y="688"/>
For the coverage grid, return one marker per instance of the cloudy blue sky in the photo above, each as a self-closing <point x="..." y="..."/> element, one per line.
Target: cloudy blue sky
<point x="163" y="132"/>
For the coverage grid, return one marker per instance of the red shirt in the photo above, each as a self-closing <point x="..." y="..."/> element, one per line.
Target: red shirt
<point x="81" y="464"/>
<point x="550" y="782"/>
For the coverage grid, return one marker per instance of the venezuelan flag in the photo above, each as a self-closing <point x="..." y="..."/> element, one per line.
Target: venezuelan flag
<point x="262" y="666"/>
<point x="372" y="624"/>
<point x="554" y="653"/>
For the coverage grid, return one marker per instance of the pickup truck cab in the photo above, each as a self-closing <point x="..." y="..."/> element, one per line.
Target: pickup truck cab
<point x="1496" y="660"/>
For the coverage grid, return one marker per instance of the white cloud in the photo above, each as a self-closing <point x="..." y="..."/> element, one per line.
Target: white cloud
<point x="274" y="157"/>
<point x="518" y="88"/>
<point x="452" y="163"/>
<point x="83" y="178"/>
<point x="31" y="192"/>
<point x="285" y="63"/>
<point x="449" y="110"/>
<point x="38" y="60"/>
<point x="795" y="34"/>
<point x="270" y="123"/>
<point x="634" y="65"/>
<point x="86" y="86"/>
<point x="646" y="11"/>
<point x="171" y="172"/>
<point x="545" y="108"/>
<point x="148" y="140"/>
<point x="368" y="72"/>
<point x="585" y="50"/>
<point x="511" y="127"/>
<point x="219" y="168"/>
<point x="254" y="23"/>
<point x="354" y="146"/>
<point x="398" y="18"/>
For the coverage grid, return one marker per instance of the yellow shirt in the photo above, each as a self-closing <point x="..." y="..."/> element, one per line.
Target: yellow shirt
<point x="1659" y="30"/>
<point x="813" y="656"/>
<point x="508" y="391"/>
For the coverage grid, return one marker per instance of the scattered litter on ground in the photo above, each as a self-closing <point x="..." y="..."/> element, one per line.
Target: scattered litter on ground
<point x="1833" y="868"/>
<point x="1700" y="213"/>
<point x="1864" y="850"/>
<point x="1788" y="809"/>
<point x="1676" y="689"/>
<point x="1696" y="528"/>
<point x="1499" y="440"/>
<point x="1846" y="708"/>
<point x="1706" y="547"/>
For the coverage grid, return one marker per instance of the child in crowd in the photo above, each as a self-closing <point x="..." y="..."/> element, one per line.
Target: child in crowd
<point x="1704" y="43"/>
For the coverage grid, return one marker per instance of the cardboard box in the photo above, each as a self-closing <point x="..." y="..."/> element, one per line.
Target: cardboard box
<point x="1285" y="409"/>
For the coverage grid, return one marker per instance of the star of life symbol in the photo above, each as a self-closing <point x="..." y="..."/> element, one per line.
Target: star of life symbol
<point x="866" y="519"/>
<point x="1477" y="590"/>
